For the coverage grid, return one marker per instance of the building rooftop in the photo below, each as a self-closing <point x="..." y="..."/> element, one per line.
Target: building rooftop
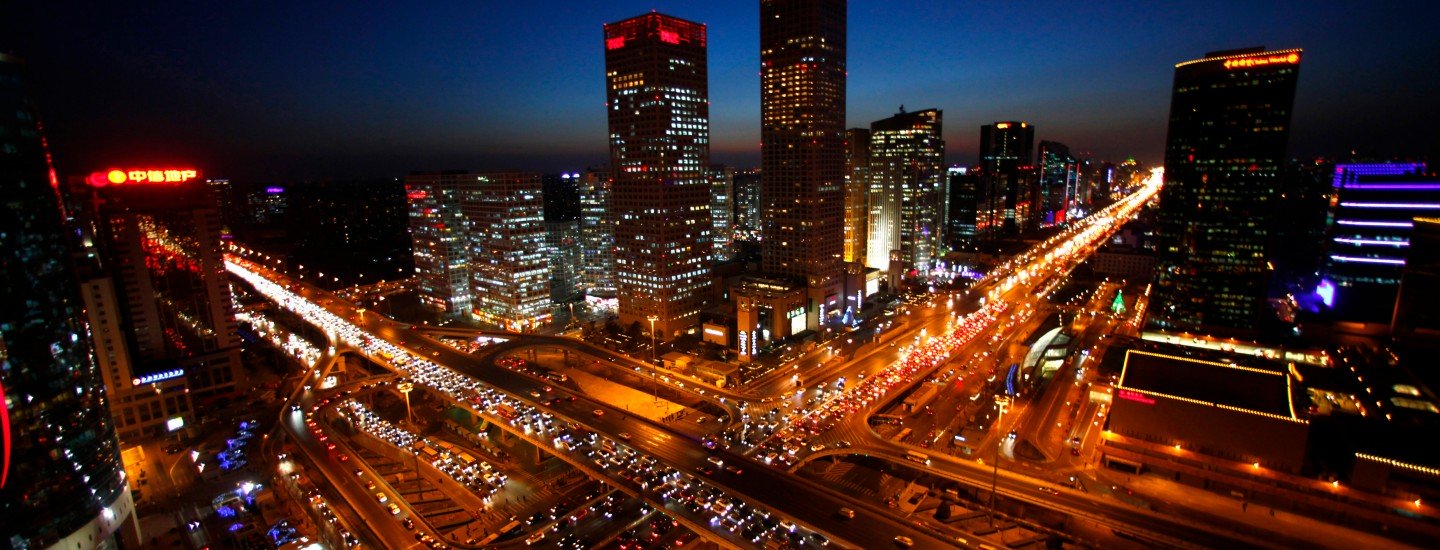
<point x="1248" y="389"/>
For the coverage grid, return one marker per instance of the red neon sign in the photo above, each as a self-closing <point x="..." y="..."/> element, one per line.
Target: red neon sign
<point x="5" y="433"/>
<point x="1132" y="395"/>
<point x="615" y="43"/>
<point x="1263" y="60"/>
<point x="116" y="176"/>
<point x="670" y="37"/>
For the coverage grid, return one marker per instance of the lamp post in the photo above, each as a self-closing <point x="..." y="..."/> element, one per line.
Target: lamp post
<point x="995" y="474"/>
<point x="405" y="389"/>
<point x="654" y="384"/>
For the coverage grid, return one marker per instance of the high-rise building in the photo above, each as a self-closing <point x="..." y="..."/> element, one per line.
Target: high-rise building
<point x="658" y="100"/>
<point x="857" y="194"/>
<point x="1372" y="212"/>
<point x="1229" y="125"/>
<point x="962" y="217"/>
<point x="562" y="235"/>
<point x="722" y="210"/>
<point x="1006" y="145"/>
<point x="1416" y="318"/>
<point x="597" y="234"/>
<point x="62" y="484"/>
<point x="161" y="313"/>
<point x="480" y="245"/>
<point x="747" y="205"/>
<point x="1058" y="181"/>
<point x="907" y="180"/>
<point x="802" y="148"/>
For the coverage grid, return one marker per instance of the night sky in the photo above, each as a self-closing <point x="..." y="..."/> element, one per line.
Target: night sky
<point x="289" y="90"/>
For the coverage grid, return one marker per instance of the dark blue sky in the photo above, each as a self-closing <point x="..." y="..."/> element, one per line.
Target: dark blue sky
<point x="295" y="89"/>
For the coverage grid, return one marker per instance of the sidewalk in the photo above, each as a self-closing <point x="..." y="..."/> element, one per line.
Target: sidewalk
<point x="1175" y="495"/>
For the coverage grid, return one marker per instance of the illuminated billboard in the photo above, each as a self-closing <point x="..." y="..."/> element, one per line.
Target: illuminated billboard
<point x="142" y="176"/>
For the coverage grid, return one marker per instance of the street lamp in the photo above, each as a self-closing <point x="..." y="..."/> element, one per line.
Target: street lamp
<point x="405" y="389"/>
<point x="653" y="382"/>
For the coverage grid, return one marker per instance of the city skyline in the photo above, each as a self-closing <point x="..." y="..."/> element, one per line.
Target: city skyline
<point x="330" y="94"/>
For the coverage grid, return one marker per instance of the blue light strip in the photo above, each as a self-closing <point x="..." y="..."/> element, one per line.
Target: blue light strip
<point x="1406" y="225"/>
<point x="1363" y="242"/>
<point x="1415" y="205"/>
<point x="153" y="378"/>
<point x="1386" y="261"/>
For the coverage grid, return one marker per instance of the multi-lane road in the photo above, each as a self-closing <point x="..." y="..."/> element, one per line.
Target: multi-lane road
<point x="809" y="502"/>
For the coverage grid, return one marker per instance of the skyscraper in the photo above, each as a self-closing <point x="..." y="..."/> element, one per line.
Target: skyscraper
<point x="597" y="234"/>
<point x="857" y="194"/>
<point x="1006" y="145"/>
<point x="480" y="245"/>
<point x="1373" y="208"/>
<point x="162" y="309"/>
<point x="962" y="219"/>
<point x="562" y="235"/>
<point x="722" y="210"/>
<point x="1058" y="179"/>
<point x="747" y="204"/>
<point x="61" y="480"/>
<point x="1229" y="125"/>
<point x="657" y="97"/>
<point x="907" y="175"/>
<point x="802" y="147"/>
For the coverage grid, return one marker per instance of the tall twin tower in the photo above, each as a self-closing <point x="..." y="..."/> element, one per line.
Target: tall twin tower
<point x="657" y="99"/>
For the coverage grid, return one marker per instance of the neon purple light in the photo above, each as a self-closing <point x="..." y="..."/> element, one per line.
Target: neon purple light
<point x="1375" y="224"/>
<point x="1363" y="242"/>
<point x="1351" y="172"/>
<point x="1415" y="205"/>
<point x="1395" y="186"/>
<point x="1386" y="261"/>
<point x="1326" y="291"/>
<point x="274" y="190"/>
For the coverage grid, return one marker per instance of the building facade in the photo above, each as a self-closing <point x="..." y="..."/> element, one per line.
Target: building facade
<point x="722" y="210"/>
<point x="62" y="483"/>
<point x="747" y="205"/>
<point x="857" y="194"/>
<point x="802" y="148"/>
<point x="1006" y="146"/>
<point x="962" y="208"/>
<point x="657" y="97"/>
<point x="597" y="234"/>
<point x="1230" y="117"/>
<point x="907" y="182"/>
<point x="480" y="247"/>
<point x="1372" y="213"/>
<point x="160" y="300"/>
<point x="1059" y="180"/>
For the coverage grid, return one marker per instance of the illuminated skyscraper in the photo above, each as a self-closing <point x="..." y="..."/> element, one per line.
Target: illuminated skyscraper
<point x="1372" y="213"/>
<point x="1229" y="125"/>
<point x="61" y="480"/>
<point x="1006" y="145"/>
<point x="722" y="210"/>
<point x="747" y="204"/>
<point x="597" y="234"/>
<point x="657" y="97"/>
<point x="1058" y="180"/>
<point x="857" y="194"/>
<point x="480" y="245"/>
<point x="907" y="175"/>
<point x="962" y="217"/>
<point x="162" y="315"/>
<point x="802" y="148"/>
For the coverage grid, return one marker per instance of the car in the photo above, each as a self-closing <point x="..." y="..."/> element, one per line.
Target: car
<point x="717" y="461"/>
<point x="734" y="469"/>
<point x="846" y="513"/>
<point x="817" y="447"/>
<point x="534" y="539"/>
<point x="904" y="541"/>
<point x="1048" y="490"/>
<point x="624" y="435"/>
<point x="534" y="394"/>
<point x="598" y="412"/>
<point x="172" y="449"/>
<point x="394" y="509"/>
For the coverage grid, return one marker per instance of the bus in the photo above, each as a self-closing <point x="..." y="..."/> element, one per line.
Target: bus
<point x="903" y="436"/>
<point x="885" y="419"/>
<point x="504" y="410"/>
<point x="917" y="457"/>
